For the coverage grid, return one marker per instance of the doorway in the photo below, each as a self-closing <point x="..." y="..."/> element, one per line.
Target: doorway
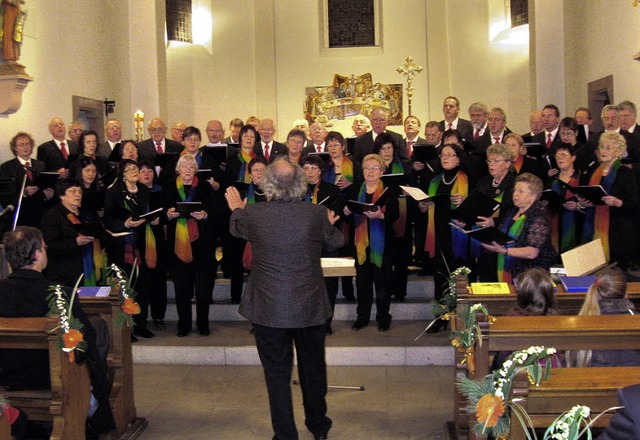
<point x="600" y="94"/>
<point x="91" y="113"/>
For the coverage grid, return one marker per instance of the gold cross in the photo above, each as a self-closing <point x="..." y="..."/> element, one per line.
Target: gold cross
<point x="409" y="69"/>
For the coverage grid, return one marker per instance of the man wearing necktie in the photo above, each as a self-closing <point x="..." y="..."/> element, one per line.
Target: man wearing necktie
<point x="268" y="147"/>
<point x="55" y="153"/>
<point x="478" y="113"/>
<point x="113" y="136"/>
<point x="451" y="110"/>
<point x="157" y="144"/>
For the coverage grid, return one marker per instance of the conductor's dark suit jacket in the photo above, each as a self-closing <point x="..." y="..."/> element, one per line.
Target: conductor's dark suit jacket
<point x="286" y="288"/>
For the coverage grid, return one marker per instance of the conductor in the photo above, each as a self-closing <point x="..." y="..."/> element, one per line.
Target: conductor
<point x="285" y="297"/>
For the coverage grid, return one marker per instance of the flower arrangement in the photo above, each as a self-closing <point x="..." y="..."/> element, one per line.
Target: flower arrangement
<point x="448" y="302"/>
<point x="567" y="425"/>
<point x="72" y="336"/>
<point x="489" y="399"/>
<point x="465" y="336"/>
<point x="118" y="279"/>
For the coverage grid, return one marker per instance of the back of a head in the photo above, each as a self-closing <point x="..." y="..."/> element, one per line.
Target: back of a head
<point x="21" y="246"/>
<point x="284" y="181"/>
<point x="536" y="293"/>
<point x="611" y="284"/>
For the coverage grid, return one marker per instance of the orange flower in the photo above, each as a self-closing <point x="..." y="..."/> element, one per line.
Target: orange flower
<point x="131" y="307"/>
<point x="489" y="409"/>
<point x="72" y="338"/>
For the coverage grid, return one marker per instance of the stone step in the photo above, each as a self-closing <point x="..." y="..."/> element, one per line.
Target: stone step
<point x="417" y="287"/>
<point x="410" y="309"/>
<point x="231" y="343"/>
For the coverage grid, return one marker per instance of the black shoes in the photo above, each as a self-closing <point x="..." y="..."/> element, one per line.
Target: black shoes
<point x="359" y="324"/>
<point x="204" y="332"/>
<point x="143" y="332"/>
<point x="158" y="324"/>
<point x="383" y="327"/>
<point x="182" y="333"/>
<point x="328" y="330"/>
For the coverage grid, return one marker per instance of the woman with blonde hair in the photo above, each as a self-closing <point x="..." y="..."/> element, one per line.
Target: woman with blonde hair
<point x="606" y="296"/>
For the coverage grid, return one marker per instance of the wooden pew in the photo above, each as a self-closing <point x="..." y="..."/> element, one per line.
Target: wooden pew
<point x="567" y="387"/>
<point x="569" y="303"/>
<point x="120" y="361"/>
<point x="67" y="402"/>
<point x="5" y="428"/>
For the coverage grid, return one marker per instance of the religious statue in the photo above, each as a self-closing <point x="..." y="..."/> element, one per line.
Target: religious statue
<point x="11" y="28"/>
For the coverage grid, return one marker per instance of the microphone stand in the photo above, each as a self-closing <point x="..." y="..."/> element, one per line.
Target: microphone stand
<point x="19" y="204"/>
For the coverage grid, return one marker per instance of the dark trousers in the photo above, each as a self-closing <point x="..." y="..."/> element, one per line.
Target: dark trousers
<point x="152" y="291"/>
<point x="232" y="255"/>
<point x="198" y="277"/>
<point x="331" y="284"/>
<point x="369" y="275"/>
<point x="275" y="347"/>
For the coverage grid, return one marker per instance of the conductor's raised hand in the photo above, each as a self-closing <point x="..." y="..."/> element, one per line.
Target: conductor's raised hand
<point x="233" y="199"/>
<point x="332" y="216"/>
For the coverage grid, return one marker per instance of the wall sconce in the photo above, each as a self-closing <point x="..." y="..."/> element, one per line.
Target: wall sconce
<point x="109" y="107"/>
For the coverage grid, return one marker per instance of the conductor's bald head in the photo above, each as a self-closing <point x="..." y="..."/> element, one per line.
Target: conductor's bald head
<point x="284" y="181"/>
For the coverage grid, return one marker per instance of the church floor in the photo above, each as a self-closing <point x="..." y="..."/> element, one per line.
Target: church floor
<point x="230" y="402"/>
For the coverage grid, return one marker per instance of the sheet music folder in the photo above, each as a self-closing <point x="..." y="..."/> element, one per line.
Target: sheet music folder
<point x="360" y="207"/>
<point x="486" y="235"/>
<point x="476" y="204"/>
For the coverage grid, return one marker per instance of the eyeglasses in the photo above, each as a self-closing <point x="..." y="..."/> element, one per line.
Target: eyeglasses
<point x="562" y="155"/>
<point x="495" y="161"/>
<point x="156" y="130"/>
<point x="567" y="133"/>
<point x="448" y="155"/>
<point x="371" y="168"/>
<point x="521" y="191"/>
<point x="77" y="130"/>
<point x="606" y="148"/>
<point x="25" y="144"/>
<point x="311" y="168"/>
<point x="192" y="140"/>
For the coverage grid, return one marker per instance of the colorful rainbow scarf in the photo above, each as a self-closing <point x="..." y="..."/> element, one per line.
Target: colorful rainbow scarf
<point x="312" y="196"/>
<point x="458" y="239"/>
<point x="596" y="222"/>
<point x="518" y="163"/>
<point x="374" y="239"/>
<point x="245" y="158"/>
<point x="94" y="258"/>
<point x="186" y="229"/>
<point x="247" y="254"/>
<point x="346" y="171"/>
<point x="505" y="261"/>
<point x="565" y="240"/>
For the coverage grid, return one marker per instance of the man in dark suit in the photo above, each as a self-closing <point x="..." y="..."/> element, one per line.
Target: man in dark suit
<point x="451" y="109"/>
<point x="549" y="138"/>
<point x="625" y="424"/>
<point x="611" y="121"/>
<point x="157" y="143"/>
<point x="478" y="113"/>
<point x="628" y="113"/>
<point x="234" y="131"/>
<point x="113" y="135"/>
<point x="317" y="132"/>
<point x="268" y="147"/>
<point x="582" y="115"/>
<point x="412" y="127"/>
<point x="285" y="298"/>
<point x="55" y="153"/>
<point x="495" y="134"/>
<point x="379" y="122"/>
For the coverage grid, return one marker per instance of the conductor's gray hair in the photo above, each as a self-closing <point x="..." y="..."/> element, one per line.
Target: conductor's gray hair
<point x="284" y="181"/>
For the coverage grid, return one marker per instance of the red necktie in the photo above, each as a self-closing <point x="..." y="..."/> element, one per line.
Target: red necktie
<point x="410" y="148"/>
<point x="63" y="150"/>
<point x="450" y="125"/>
<point x="266" y="151"/>
<point x="496" y="140"/>
<point x="29" y="172"/>
<point x="549" y="141"/>
<point x="476" y="134"/>
<point x="319" y="148"/>
<point x="159" y="148"/>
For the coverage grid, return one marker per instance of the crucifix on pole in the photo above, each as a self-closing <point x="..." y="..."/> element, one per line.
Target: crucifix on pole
<point x="409" y="69"/>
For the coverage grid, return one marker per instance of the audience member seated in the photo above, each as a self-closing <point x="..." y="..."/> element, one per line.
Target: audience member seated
<point x="606" y="296"/>
<point x="24" y="294"/>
